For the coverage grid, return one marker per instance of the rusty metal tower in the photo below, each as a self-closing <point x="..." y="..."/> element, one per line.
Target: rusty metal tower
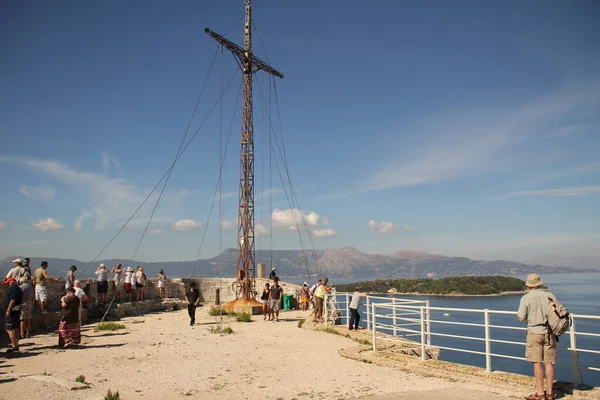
<point x="249" y="64"/>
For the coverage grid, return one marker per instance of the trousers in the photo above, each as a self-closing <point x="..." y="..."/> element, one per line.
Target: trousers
<point x="192" y="313"/>
<point x="354" y="318"/>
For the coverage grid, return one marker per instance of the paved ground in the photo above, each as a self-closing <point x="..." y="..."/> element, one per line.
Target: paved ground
<point x="160" y="356"/>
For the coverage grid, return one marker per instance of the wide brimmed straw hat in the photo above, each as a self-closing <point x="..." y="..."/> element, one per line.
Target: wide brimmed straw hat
<point x="533" y="280"/>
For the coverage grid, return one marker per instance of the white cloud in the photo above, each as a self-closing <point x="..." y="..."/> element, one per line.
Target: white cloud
<point x="47" y="225"/>
<point x="42" y="193"/>
<point x="291" y="218"/>
<point x="186" y="225"/>
<point x="2" y="225"/>
<point x="85" y="214"/>
<point x="383" y="226"/>
<point x="156" y="231"/>
<point x="110" y="199"/>
<point x="572" y="191"/>
<point x="260" y="230"/>
<point x="408" y="228"/>
<point x="474" y="143"/>
<point x="227" y="225"/>
<point x="324" y="232"/>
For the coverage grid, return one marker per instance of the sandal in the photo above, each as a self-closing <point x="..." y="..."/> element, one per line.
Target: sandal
<point x="535" y="396"/>
<point x="550" y="396"/>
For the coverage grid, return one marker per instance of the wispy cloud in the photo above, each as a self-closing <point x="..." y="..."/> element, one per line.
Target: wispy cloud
<point x="2" y="225"/>
<point x="475" y="143"/>
<point x="109" y="199"/>
<point x="186" y="225"/>
<point x="383" y="226"/>
<point x="572" y="191"/>
<point x="42" y="193"/>
<point x="227" y="225"/>
<point x="578" y="170"/>
<point x="324" y="232"/>
<point x="408" y="228"/>
<point x="85" y="214"/>
<point x="47" y="225"/>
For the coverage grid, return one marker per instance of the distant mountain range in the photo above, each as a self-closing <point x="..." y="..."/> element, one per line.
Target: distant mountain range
<point x="347" y="262"/>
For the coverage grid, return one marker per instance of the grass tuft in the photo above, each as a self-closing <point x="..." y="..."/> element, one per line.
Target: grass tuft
<point x="80" y="379"/>
<point x="227" y="331"/>
<point x="301" y="322"/>
<point x="109" y="326"/>
<point x="112" y="395"/>
<point x="243" y="317"/>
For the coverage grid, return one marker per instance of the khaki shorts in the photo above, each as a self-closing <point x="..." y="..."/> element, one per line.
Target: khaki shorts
<point x="41" y="293"/>
<point x="540" y="348"/>
<point x="26" y="311"/>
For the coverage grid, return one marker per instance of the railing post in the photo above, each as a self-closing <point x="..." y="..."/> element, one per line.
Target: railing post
<point x="394" y="317"/>
<point x="574" y="358"/>
<point x="326" y="309"/>
<point x="347" y="309"/>
<point x="423" y="331"/>
<point x="428" y="325"/>
<point x="488" y="344"/>
<point x="368" y="312"/>
<point x="374" y="326"/>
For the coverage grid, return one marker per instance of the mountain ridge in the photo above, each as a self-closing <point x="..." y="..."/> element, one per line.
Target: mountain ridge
<point x="347" y="262"/>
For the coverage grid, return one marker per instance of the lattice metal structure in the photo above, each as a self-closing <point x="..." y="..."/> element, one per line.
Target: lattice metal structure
<point x="249" y="64"/>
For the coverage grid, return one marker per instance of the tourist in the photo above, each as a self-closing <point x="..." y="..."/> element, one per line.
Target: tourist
<point x="27" y="268"/>
<point x="275" y="297"/>
<point x="102" y="284"/>
<point x="140" y="282"/>
<point x="162" y="278"/>
<point x="26" y="306"/>
<point x="12" y="318"/>
<point x="116" y="270"/>
<point x="320" y="293"/>
<point x="354" y="307"/>
<point x="39" y="282"/>
<point x="17" y="272"/>
<point x="129" y="284"/>
<point x="70" y="279"/>
<point x="313" y="290"/>
<point x="265" y="301"/>
<point x="541" y="343"/>
<point x="193" y="298"/>
<point x="69" y="329"/>
<point x="304" y="295"/>
<point x="273" y="273"/>
<point x="83" y="297"/>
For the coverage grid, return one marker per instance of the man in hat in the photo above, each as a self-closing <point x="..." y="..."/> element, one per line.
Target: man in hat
<point x="541" y="343"/>
<point x="273" y="274"/>
<point x="17" y="271"/>
<point x="12" y="319"/>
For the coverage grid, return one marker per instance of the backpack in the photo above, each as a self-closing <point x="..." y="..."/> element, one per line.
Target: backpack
<point x="558" y="319"/>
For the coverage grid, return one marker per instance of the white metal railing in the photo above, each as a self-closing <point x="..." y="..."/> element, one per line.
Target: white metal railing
<point x="409" y="320"/>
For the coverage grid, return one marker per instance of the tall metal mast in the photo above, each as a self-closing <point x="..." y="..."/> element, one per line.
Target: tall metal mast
<point x="249" y="64"/>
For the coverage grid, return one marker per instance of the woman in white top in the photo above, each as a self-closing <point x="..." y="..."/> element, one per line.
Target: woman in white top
<point x="116" y="270"/>
<point x="161" y="284"/>
<point x="140" y="282"/>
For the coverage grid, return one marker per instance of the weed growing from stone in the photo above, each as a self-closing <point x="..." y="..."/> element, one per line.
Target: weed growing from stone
<point x="112" y="395"/>
<point x="301" y="322"/>
<point x="109" y="326"/>
<point x="80" y="379"/>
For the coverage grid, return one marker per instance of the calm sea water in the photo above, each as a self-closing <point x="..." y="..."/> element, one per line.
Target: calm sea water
<point x="580" y="293"/>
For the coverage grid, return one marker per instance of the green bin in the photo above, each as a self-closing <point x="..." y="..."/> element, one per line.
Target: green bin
<point x="288" y="300"/>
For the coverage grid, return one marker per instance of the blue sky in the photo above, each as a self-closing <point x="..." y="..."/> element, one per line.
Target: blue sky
<point x="463" y="128"/>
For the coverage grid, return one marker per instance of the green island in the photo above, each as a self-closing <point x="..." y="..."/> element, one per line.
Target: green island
<point x="454" y="286"/>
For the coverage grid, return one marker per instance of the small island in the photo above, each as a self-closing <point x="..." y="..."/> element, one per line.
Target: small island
<point x="454" y="286"/>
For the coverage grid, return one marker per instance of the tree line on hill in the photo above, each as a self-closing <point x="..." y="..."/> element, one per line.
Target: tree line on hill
<point x="466" y="285"/>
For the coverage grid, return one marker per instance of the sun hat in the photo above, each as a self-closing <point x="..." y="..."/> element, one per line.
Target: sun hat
<point x="17" y="260"/>
<point x="533" y="280"/>
<point x="102" y="266"/>
<point x="9" y="280"/>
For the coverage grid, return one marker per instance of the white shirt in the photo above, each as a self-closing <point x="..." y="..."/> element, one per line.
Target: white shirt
<point x="79" y="292"/>
<point x="355" y="302"/>
<point x="128" y="277"/>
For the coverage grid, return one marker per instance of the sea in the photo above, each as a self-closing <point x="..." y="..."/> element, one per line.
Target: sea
<point x="579" y="292"/>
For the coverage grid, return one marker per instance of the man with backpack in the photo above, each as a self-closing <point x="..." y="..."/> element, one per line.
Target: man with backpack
<point x="541" y="340"/>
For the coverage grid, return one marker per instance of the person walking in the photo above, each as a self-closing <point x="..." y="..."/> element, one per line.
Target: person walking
<point x="354" y="307"/>
<point x="193" y="298"/>
<point x="12" y="318"/>
<point x="541" y="343"/>
<point x="265" y="301"/>
<point x="40" y="277"/>
<point x="275" y="296"/>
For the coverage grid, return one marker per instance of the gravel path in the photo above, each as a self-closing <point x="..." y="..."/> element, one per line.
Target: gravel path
<point x="160" y="356"/>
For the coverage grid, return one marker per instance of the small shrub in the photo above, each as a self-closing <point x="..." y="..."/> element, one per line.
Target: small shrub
<point x="332" y="331"/>
<point x="301" y="322"/>
<point x="215" y="311"/>
<point x="244" y="317"/>
<point x="109" y="326"/>
<point x="80" y="379"/>
<point x="218" y="329"/>
<point x="112" y="396"/>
